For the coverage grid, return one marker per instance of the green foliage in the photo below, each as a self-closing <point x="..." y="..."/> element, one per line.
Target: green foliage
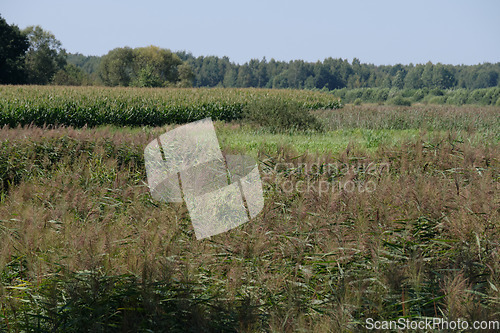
<point x="143" y="67"/>
<point x="89" y="301"/>
<point x="186" y="76"/>
<point x="418" y="95"/>
<point x="89" y="64"/>
<point x="337" y="73"/>
<point x="399" y="100"/>
<point x="116" y="67"/>
<point x="329" y="74"/>
<point x="437" y="100"/>
<point x="45" y="55"/>
<point x="152" y="66"/>
<point x="70" y="75"/>
<point x="458" y="97"/>
<point x="159" y="65"/>
<point x="13" y="45"/>
<point x="139" y="107"/>
<point x="147" y="77"/>
<point x="279" y="115"/>
<point x="487" y="96"/>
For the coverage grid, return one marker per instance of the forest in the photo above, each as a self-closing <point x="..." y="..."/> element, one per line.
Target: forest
<point x="36" y="56"/>
<point x="329" y="74"/>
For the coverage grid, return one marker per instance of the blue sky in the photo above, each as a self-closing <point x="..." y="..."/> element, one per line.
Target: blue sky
<point x="379" y="32"/>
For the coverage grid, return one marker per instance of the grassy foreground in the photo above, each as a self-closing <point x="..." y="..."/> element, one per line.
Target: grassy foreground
<point x="365" y="220"/>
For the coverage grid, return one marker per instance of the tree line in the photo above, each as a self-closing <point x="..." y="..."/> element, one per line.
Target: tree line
<point x="35" y="56"/>
<point x="331" y="74"/>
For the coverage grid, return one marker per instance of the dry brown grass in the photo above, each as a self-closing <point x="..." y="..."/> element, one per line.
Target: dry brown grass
<point x="424" y="242"/>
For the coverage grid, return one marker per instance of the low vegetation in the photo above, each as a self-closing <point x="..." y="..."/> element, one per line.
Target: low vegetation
<point x="91" y="106"/>
<point x="394" y="96"/>
<point x="372" y="218"/>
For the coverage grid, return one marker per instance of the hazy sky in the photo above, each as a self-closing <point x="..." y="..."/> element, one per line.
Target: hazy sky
<point x="379" y="32"/>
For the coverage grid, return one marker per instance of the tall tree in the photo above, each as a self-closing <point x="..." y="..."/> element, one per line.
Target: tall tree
<point x="427" y="75"/>
<point x="116" y="67"/>
<point x="149" y="66"/>
<point x="443" y="77"/>
<point x="159" y="65"/>
<point x="186" y="76"/>
<point x="262" y="76"/>
<point x="398" y="81"/>
<point x="13" y="46"/>
<point x="413" y="80"/>
<point x="45" y="55"/>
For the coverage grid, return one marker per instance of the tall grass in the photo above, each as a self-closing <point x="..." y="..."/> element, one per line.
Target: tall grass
<point x="421" y="117"/>
<point x="85" y="248"/>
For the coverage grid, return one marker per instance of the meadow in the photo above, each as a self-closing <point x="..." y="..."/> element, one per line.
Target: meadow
<point x="385" y="212"/>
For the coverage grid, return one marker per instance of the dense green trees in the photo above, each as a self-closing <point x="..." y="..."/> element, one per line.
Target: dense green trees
<point x="35" y="56"/>
<point x="143" y="67"/>
<point x="393" y="96"/>
<point x="45" y="55"/>
<point x="116" y="67"/>
<point x="13" y="46"/>
<point x="333" y="74"/>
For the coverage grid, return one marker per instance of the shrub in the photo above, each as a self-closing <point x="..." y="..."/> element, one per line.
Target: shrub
<point x="458" y="97"/>
<point x="437" y="100"/>
<point x="382" y="95"/>
<point x="491" y="96"/>
<point x="407" y="93"/>
<point x="436" y="92"/>
<point x="369" y="95"/>
<point x="477" y="97"/>
<point x="398" y="100"/>
<point x="418" y="95"/>
<point x="279" y="115"/>
<point x="358" y="101"/>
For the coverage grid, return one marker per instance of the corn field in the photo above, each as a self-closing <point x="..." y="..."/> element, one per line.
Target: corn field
<point x="94" y="106"/>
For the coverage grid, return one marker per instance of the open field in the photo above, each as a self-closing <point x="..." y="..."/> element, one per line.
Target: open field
<point x="389" y="212"/>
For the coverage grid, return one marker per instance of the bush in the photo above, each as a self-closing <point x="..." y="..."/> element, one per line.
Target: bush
<point x="491" y="96"/>
<point x="279" y="115"/>
<point x="437" y="100"/>
<point x="458" y="97"/>
<point x="436" y="92"/>
<point x="369" y="95"/>
<point x="382" y="95"/>
<point x="398" y="100"/>
<point x="358" y="101"/>
<point x="477" y="97"/>
<point x="418" y="95"/>
<point x="407" y="93"/>
<point x="353" y="94"/>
